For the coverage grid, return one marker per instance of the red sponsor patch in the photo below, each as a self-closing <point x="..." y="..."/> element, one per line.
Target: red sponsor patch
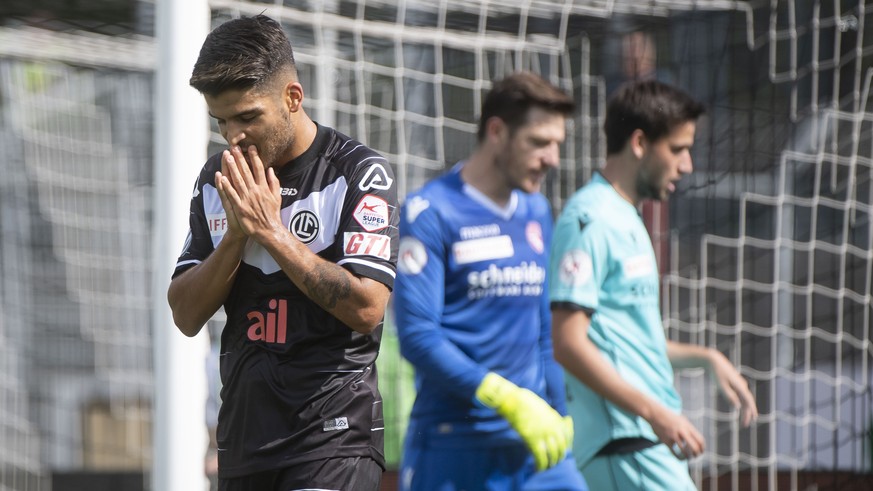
<point x="364" y="244"/>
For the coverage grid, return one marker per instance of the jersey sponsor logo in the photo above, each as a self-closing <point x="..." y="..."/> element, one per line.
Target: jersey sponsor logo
<point x="534" y="233"/>
<point x="414" y="207"/>
<point x="526" y="279"/>
<point x="645" y="290"/>
<point x="270" y="326"/>
<point x="372" y="213"/>
<point x="336" y="424"/>
<point x="471" y="251"/>
<point x="412" y="256"/>
<point x="637" y="266"/>
<point x="364" y="244"/>
<point x="305" y="226"/>
<point x="217" y="224"/>
<point x="289" y="192"/>
<point x="479" y="231"/>
<point x="575" y="268"/>
<point x="375" y="178"/>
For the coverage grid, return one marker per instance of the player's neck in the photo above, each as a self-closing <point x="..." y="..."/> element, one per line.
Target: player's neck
<point x="480" y="172"/>
<point x="306" y="130"/>
<point x="619" y="173"/>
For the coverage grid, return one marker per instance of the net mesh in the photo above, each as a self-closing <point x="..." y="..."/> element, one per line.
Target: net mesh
<point x="75" y="262"/>
<point x="765" y="250"/>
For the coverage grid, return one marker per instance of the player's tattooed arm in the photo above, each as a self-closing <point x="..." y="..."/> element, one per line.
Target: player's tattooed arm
<point x="327" y="284"/>
<point x="359" y="302"/>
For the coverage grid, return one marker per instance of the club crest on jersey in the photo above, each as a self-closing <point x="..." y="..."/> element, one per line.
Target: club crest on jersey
<point x="305" y="226"/>
<point x="534" y="233"/>
<point x="372" y="213"/>
<point x="375" y="178"/>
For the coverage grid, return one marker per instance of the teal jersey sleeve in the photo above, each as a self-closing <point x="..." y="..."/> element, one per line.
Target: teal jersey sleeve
<point x="579" y="261"/>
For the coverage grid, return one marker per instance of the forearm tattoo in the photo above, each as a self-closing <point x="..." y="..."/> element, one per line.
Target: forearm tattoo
<point x="327" y="284"/>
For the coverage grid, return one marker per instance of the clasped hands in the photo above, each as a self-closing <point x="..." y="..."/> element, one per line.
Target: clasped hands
<point x="250" y="194"/>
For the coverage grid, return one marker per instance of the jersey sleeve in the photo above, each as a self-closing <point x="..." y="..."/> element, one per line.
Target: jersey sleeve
<point x="198" y="243"/>
<point x="419" y="303"/>
<point x="368" y="230"/>
<point x="578" y="263"/>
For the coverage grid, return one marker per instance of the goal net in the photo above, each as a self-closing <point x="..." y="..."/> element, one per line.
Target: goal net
<point x="765" y="250"/>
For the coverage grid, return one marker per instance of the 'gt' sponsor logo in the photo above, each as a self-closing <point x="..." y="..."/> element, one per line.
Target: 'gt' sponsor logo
<point x="372" y="213"/>
<point x="364" y="244"/>
<point x="270" y="326"/>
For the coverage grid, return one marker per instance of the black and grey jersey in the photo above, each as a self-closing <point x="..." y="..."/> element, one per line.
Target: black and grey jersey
<point x="298" y="384"/>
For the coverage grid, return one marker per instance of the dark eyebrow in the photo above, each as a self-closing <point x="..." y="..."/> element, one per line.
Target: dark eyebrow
<point x="249" y="112"/>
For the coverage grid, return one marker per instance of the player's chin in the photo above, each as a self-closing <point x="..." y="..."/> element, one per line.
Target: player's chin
<point x="532" y="185"/>
<point x="664" y="193"/>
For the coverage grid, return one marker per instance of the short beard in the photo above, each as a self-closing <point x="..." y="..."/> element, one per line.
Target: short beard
<point x="645" y="187"/>
<point x="280" y="140"/>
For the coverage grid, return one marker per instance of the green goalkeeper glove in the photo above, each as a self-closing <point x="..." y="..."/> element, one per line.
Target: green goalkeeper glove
<point x="546" y="433"/>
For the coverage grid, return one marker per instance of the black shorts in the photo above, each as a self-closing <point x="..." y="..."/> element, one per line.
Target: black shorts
<point x="340" y="474"/>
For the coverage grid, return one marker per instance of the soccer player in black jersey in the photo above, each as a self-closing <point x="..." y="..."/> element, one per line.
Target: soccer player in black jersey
<point x="293" y="229"/>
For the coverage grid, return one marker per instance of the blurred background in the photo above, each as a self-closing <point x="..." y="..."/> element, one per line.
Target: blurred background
<point x="765" y="250"/>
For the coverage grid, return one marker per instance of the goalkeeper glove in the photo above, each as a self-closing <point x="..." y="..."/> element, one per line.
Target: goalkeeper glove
<point x="546" y="433"/>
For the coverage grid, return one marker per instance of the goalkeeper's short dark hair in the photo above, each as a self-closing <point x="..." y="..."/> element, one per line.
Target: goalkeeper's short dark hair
<point x="511" y="98"/>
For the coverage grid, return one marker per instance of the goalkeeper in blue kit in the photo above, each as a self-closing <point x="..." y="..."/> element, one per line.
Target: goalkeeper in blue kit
<point x="472" y="310"/>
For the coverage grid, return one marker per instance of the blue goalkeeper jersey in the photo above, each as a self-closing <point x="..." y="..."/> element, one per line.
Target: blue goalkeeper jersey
<point x="470" y="298"/>
<point x="602" y="261"/>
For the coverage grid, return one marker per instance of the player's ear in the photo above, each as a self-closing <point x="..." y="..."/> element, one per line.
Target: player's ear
<point x="638" y="143"/>
<point x="495" y="129"/>
<point x="293" y="96"/>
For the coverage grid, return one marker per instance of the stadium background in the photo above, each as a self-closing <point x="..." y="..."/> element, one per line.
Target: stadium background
<point x="765" y="250"/>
